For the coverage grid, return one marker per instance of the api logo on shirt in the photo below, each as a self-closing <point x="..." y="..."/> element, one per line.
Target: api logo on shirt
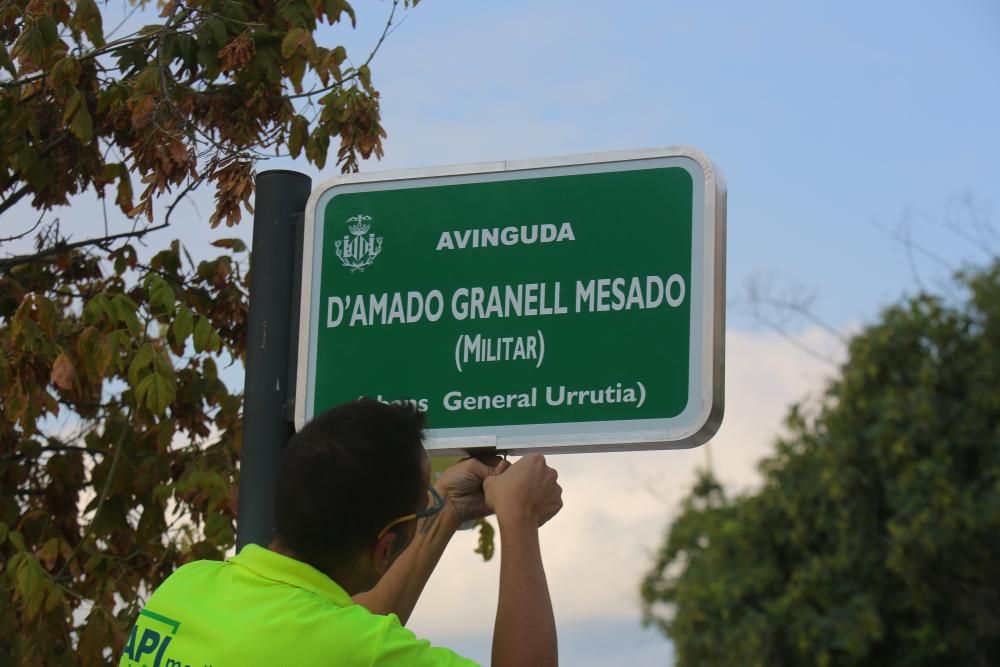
<point x="149" y="639"/>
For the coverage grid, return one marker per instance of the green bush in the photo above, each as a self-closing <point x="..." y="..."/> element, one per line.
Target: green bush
<point x="875" y="536"/>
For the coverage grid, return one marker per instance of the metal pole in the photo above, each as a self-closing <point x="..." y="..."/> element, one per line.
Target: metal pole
<point x="273" y="321"/>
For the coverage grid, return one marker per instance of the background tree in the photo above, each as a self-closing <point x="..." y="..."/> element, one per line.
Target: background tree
<point x="873" y="538"/>
<point x="118" y="440"/>
<point x="198" y="96"/>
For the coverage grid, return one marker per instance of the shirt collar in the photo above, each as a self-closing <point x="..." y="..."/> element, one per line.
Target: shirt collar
<point x="277" y="567"/>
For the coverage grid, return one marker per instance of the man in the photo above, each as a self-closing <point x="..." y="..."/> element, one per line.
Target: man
<point x="358" y="531"/>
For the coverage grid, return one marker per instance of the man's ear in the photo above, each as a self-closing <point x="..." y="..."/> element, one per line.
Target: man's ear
<point x="385" y="551"/>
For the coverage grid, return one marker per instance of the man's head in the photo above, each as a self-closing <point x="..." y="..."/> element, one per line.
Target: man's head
<point x="343" y="477"/>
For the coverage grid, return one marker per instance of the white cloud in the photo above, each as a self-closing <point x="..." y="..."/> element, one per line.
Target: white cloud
<point x="617" y="506"/>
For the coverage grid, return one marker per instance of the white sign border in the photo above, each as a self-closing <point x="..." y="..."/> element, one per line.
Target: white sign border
<point x="703" y="415"/>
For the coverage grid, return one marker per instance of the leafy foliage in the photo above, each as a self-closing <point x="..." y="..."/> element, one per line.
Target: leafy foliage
<point x="118" y="441"/>
<point x="118" y="438"/>
<point x="485" y="546"/>
<point x="874" y="538"/>
<point x="197" y="96"/>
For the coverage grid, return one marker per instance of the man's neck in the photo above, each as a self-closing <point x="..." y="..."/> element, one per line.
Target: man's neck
<point x="351" y="584"/>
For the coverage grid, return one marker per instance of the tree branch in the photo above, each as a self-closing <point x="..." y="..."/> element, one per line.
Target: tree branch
<point x="57" y="448"/>
<point x="16" y="237"/>
<point x="15" y="197"/>
<point x="119" y="446"/>
<point x="340" y="84"/>
<point x="109" y="47"/>
<point x="796" y="302"/>
<point x="778" y="329"/>
<point x="102" y="242"/>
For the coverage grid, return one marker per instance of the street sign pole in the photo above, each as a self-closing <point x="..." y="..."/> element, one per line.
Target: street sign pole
<point x="281" y="198"/>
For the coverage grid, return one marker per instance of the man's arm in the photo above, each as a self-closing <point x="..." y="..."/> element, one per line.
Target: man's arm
<point x="524" y="498"/>
<point x="400" y="587"/>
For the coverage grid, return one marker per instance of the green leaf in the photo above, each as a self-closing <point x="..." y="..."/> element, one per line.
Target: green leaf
<point x="53" y="599"/>
<point x="219" y="529"/>
<point x="114" y="98"/>
<point x="118" y="340"/>
<point x="17" y="540"/>
<point x="30" y="582"/>
<point x="94" y="561"/>
<point x="141" y="360"/>
<point x="73" y="104"/>
<point x="147" y="82"/>
<point x="298" y="136"/>
<point x="219" y="33"/>
<point x="125" y="310"/>
<point x="203" y="334"/>
<point x="151" y="29"/>
<point x="234" y="11"/>
<point x="236" y="245"/>
<point x="292" y="41"/>
<point x="49" y="552"/>
<point x="4" y="530"/>
<point x="96" y="309"/>
<point x="50" y="31"/>
<point x="365" y="77"/>
<point x="87" y="19"/>
<point x="30" y="44"/>
<point x="82" y="126"/>
<point x="486" y="545"/>
<point x="124" y="258"/>
<point x="93" y="353"/>
<point x="164" y="296"/>
<point x="297" y="73"/>
<point x="163" y="491"/>
<point x="65" y="71"/>
<point x="34" y="127"/>
<point x="124" y="195"/>
<point x="157" y="392"/>
<point x="182" y="325"/>
<point x="153" y="282"/>
<point x="162" y="365"/>
<point x="208" y="56"/>
<point x="118" y="171"/>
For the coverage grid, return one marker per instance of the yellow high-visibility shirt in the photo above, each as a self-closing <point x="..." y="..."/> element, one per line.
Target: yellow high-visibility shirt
<point x="263" y="608"/>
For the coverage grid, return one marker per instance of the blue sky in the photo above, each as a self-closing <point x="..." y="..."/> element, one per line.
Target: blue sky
<point x="826" y="119"/>
<point x="831" y="123"/>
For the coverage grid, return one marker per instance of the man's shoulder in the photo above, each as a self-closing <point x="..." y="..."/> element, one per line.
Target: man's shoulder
<point x="197" y="567"/>
<point x="185" y="575"/>
<point x="397" y="645"/>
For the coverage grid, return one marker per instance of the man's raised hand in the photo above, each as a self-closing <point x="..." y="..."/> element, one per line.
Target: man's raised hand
<point x="527" y="490"/>
<point x="462" y="486"/>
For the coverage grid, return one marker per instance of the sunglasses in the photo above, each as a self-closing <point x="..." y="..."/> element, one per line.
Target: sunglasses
<point x="434" y="505"/>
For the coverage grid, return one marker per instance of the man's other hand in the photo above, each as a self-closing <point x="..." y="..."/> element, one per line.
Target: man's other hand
<point x="462" y="486"/>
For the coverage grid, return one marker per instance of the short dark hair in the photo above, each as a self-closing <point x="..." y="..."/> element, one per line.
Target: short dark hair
<point x="345" y="475"/>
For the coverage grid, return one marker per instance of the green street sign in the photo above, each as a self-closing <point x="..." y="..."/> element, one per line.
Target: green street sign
<point x="559" y="305"/>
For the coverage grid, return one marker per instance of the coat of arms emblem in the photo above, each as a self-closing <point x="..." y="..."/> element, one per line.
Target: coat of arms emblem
<point x="360" y="251"/>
